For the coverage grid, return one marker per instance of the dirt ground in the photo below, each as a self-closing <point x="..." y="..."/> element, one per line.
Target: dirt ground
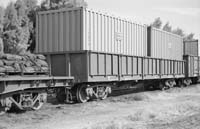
<point x="173" y="109"/>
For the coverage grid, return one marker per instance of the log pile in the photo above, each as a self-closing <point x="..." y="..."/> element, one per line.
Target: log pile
<point x="26" y="64"/>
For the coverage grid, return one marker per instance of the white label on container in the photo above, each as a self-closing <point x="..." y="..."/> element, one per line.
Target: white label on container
<point x="169" y="45"/>
<point x="119" y="36"/>
<point x="89" y="39"/>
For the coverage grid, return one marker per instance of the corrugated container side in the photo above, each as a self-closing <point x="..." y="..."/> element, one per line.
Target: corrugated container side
<point x="192" y="66"/>
<point x="164" y="45"/>
<point x="84" y="29"/>
<point x="191" y="48"/>
<point x="59" y="31"/>
<point x="105" y="33"/>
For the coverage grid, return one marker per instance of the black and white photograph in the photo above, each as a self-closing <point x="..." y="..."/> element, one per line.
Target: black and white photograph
<point x="99" y="64"/>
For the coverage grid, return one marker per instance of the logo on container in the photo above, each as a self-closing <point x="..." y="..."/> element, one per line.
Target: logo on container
<point x="169" y="45"/>
<point x="119" y="36"/>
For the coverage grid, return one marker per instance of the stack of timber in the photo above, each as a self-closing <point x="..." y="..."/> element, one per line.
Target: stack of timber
<point x="21" y="65"/>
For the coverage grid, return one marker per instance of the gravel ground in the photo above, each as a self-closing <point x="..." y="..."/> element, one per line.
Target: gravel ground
<point x="173" y="109"/>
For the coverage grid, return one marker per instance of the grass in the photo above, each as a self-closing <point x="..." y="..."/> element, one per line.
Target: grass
<point x="130" y="98"/>
<point x="141" y="116"/>
<point x="140" y="97"/>
<point x="112" y="125"/>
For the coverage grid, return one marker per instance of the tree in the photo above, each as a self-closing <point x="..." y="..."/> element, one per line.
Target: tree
<point x="23" y="30"/>
<point x="1" y="19"/>
<point x="30" y="4"/>
<point x="157" y="23"/>
<point x="178" y="31"/>
<point x="59" y="4"/>
<point x="167" y="27"/>
<point x="189" y="36"/>
<point x="79" y="3"/>
<point x="1" y="30"/>
<point x="10" y="24"/>
<point x="21" y="12"/>
<point x="16" y="29"/>
<point x="11" y="20"/>
<point x="32" y="9"/>
<point x="53" y="4"/>
<point x="1" y="15"/>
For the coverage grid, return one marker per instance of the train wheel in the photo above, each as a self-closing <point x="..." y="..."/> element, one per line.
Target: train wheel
<point x="161" y="86"/>
<point x="104" y="92"/>
<point x="5" y="105"/>
<point x="103" y="97"/>
<point x="170" y="84"/>
<point x="82" y="96"/>
<point x="37" y="105"/>
<point x="180" y="83"/>
<point x="2" y="111"/>
<point x="39" y="101"/>
<point x="187" y="82"/>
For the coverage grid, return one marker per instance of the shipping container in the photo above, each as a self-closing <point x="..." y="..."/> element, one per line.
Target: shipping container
<point x="89" y="66"/>
<point x="80" y="29"/>
<point x="192" y="66"/>
<point x="191" y="48"/>
<point x="162" y="44"/>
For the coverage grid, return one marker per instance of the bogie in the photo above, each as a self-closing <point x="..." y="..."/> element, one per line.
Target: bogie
<point x="87" y="92"/>
<point x="166" y="84"/>
<point x="187" y="82"/>
<point x="29" y="100"/>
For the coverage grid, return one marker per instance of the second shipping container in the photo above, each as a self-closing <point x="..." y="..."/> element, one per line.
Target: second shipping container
<point x="165" y="45"/>
<point x="191" y="48"/>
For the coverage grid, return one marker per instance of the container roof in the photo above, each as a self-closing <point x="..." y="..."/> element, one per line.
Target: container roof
<point x="94" y="11"/>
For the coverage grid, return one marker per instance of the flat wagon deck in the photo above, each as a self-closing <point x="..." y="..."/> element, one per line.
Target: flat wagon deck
<point x="28" y="92"/>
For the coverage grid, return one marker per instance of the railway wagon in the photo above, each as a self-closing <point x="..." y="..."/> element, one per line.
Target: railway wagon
<point x="87" y="63"/>
<point x="101" y="52"/>
<point x="28" y="92"/>
<point x="26" y="87"/>
<point x="96" y="73"/>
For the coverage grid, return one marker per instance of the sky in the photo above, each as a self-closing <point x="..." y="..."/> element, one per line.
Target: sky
<point x="180" y="13"/>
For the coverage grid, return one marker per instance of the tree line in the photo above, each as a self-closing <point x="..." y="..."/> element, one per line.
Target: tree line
<point x="18" y="23"/>
<point x="167" y="27"/>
